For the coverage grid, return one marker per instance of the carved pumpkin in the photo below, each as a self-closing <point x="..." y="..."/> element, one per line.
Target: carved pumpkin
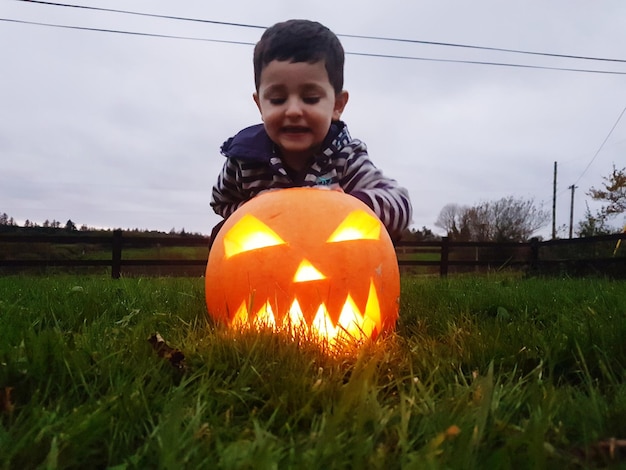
<point x="305" y="257"/>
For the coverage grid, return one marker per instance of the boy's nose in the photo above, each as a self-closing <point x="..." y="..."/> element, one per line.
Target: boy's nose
<point x="293" y="108"/>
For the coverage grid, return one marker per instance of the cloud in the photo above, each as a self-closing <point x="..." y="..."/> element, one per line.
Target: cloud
<point x="124" y="131"/>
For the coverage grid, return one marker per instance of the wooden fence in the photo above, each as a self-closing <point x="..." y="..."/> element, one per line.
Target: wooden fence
<point x="593" y="255"/>
<point x="600" y="255"/>
<point x="114" y="243"/>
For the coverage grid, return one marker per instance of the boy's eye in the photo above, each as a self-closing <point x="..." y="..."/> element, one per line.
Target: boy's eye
<point x="311" y="99"/>
<point x="277" y="101"/>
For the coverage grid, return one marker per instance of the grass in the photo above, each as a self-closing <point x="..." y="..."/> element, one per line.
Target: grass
<point x="482" y="372"/>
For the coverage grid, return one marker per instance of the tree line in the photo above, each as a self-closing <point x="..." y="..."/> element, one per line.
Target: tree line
<point x="508" y="219"/>
<point x="7" y="221"/>
<point x="8" y="224"/>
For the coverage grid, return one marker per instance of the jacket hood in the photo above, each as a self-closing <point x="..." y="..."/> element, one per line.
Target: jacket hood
<point x="253" y="143"/>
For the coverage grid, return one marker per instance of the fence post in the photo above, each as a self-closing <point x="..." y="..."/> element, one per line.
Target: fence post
<point x="534" y="254"/>
<point x="116" y="254"/>
<point x="445" y="250"/>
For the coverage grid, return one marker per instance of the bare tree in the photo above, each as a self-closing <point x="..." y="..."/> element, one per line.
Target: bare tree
<point x="593" y="225"/>
<point x="507" y="219"/>
<point x="449" y="218"/>
<point x="516" y="219"/>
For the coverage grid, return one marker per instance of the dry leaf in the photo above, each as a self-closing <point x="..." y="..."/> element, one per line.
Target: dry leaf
<point x="6" y="405"/>
<point x="174" y="356"/>
<point x="612" y="449"/>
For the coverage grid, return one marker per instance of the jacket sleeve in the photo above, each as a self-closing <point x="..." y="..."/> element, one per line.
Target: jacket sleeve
<point x="389" y="201"/>
<point x="227" y="194"/>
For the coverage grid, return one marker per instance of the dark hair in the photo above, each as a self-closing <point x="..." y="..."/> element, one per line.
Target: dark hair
<point x="300" y="41"/>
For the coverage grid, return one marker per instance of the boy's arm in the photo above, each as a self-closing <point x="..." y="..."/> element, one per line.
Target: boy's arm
<point x="383" y="195"/>
<point x="227" y="193"/>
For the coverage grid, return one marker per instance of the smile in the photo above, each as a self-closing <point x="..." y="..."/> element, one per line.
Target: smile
<point x="295" y="130"/>
<point x="352" y="323"/>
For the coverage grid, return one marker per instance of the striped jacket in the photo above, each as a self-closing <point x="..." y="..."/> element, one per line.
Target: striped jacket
<point x="252" y="166"/>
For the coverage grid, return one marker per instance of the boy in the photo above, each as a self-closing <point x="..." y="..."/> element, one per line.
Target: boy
<point x="298" y="72"/>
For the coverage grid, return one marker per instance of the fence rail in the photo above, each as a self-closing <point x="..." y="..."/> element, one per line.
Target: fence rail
<point x="601" y="255"/>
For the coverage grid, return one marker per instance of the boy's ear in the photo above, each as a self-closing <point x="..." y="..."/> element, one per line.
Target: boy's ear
<point x="341" y="100"/>
<point x="255" y="97"/>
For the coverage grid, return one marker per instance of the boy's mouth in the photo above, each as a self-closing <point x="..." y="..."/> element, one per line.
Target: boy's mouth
<point x="295" y="129"/>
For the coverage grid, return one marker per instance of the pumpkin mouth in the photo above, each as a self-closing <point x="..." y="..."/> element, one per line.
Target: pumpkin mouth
<point x="352" y="324"/>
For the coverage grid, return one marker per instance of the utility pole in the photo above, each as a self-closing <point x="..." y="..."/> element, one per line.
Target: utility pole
<point x="571" y="211"/>
<point x="554" y="204"/>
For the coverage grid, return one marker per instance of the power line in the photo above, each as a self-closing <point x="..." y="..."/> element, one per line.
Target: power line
<point x="485" y="48"/>
<point x="478" y="62"/>
<point x="362" y="54"/>
<point x="127" y="12"/>
<point x="355" y="36"/>
<point x="132" y="33"/>
<point x="619" y="118"/>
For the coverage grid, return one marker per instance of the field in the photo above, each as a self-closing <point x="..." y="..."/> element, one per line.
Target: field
<point x="482" y="372"/>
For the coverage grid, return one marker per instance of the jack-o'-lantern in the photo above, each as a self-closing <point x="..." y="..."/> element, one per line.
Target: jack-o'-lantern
<point x="305" y="258"/>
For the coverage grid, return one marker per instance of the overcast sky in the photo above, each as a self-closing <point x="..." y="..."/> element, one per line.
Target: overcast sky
<point x="119" y="130"/>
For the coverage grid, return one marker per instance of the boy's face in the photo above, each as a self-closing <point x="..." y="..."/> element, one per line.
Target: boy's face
<point x="297" y="104"/>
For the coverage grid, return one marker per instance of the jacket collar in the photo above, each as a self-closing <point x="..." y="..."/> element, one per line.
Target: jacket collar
<point x="253" y="143"/>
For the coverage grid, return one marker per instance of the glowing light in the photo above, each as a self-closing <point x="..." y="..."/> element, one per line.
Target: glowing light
<point x="241" y="316"/>
<point x="307" y="272"/>
<point x="351" y="321"/>
<point x="322" y="324"/>
<point x="264" y="318"/>
<point x="249" y="234"/>
<point x="294" y="318"/>
<point x="351" y="325"/>
<point x="358" y="225"/>
<point x="372" y="308"/>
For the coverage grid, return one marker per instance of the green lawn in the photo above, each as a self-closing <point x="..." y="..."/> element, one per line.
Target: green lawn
<point x="483" y="372"/>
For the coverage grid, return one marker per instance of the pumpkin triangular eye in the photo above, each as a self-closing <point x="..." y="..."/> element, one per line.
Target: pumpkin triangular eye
<point x="249" y="234"/>
<point x="358" y="225"/>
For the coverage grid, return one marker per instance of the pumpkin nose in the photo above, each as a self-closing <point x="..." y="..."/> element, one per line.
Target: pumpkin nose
<point x="307" y="272"/>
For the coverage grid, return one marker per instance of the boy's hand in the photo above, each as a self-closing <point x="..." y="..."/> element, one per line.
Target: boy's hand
<point x="333" y="187"/>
